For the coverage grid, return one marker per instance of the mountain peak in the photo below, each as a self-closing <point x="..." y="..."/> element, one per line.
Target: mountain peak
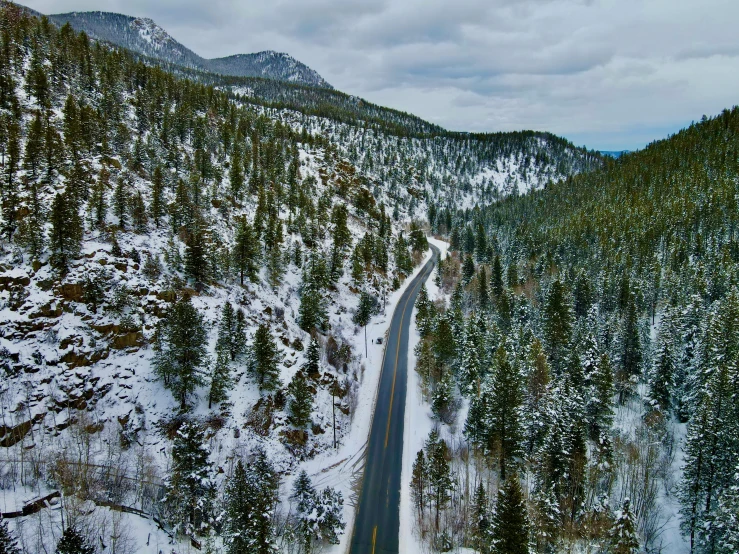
<point x="144" y="36"/>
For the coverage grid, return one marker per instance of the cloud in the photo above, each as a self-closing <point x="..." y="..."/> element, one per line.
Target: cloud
<point x="608" y="72"/>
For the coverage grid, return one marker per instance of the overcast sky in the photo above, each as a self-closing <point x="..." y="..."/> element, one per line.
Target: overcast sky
<point x="611" y="74"/>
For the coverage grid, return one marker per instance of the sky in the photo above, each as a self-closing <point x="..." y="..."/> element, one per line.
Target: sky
<point x="610" y="75"/>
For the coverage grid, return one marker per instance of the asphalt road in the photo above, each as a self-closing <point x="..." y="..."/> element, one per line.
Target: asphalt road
<point x="377" y="524"/>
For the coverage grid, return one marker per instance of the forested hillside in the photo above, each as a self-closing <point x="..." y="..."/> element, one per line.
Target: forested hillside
<point x="580" y="360"/>
<point x="184" y="275"/>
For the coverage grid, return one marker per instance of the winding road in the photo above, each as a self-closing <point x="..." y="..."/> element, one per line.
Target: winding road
<point x="377" y="524"/>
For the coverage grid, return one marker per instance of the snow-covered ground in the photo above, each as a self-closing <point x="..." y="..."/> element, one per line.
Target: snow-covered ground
<point x="418" y="423"/>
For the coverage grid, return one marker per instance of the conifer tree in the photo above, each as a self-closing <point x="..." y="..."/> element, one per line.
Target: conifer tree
<point x="220" y="381"/>
<point x="470" y="371"/>
<point x="341" y="240"/>
<point x="300" y="403"/>
<point x="190" y="488"/>
<point x="557" y="325"/>
<point x="662" y="372"/>
<point x="8" y="543"/>
<point x="66" y="230"/>
<point x="726" y="522"/>
<point x="312" y="365"/>
<point x="180" y="350"/>
<point x="251" y="495"/>
<point x="196" y="265"/>
<point x="364" y="312"/>
<point x="535" y="400"/>
<point x="227" y="331"/>
<point x="245" y="252"/>
<point x="504" y="411"/>
<point x="423" y="307"/>
<point x="305" y="498"/>
<point x="264" y="358"/>
<point x="468" y="269"/>
<point x="624" y="539"/>
<point x="312" y="312"/>
<point x="72" y="542"/>
<point x="157" y="196"/>
<point x="120" y="202"/>
<point x="496" y="278"/>
<point x="631" y="349"/>
<point x="509" y="529"/>
<point x="418" y="482"/>
<point x="439" y="474"/>
<point x="98" y="203"/>
<point x="480" y="521"/>
<point x="442" y="403"/>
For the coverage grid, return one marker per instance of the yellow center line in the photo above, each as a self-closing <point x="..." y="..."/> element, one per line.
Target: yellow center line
<point x="374" y="539"/>
<point x="397" y="353"/>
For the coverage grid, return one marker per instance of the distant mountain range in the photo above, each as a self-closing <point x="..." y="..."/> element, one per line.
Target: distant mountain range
<point x="614" y="153"/>
<point x="143" y="36"/>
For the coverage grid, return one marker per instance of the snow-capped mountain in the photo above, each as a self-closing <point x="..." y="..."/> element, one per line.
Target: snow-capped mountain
<point x="144" y="36"/>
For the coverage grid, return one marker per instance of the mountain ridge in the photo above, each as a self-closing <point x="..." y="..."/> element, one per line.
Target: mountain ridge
<point x="144" y="36"/>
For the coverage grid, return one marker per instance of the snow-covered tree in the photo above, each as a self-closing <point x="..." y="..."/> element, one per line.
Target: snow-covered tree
<point x="623" y="535"/>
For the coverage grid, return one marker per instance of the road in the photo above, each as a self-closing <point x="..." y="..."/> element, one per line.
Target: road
<point x="377" y="524"/>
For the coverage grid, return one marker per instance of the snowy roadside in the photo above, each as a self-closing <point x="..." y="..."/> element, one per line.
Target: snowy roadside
<point x="341" y="468"/>
<point x="418" y="422"/>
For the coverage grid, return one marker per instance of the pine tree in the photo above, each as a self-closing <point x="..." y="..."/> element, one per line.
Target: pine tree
<point x="312" y="365"/>
<point x="480" y="521"/>
<point x="726" y="522"/>
<point x="342" y="239"/>
<point x="443" y="401"/>
<point x="306" y="502"/>
<point x="470" y="370"/>
<point x="157" y="196"/>
<point x="536" y="396"/>
<point x="245" y="251"/>
<point x="98" y="203"/>
<point x="364" y="312"/>
<point x="330" y="519"/>
<point x="227" y="331"/>
<point x="251" y="495"/>
<point x="221" y="380"/>
<point x="509" y="529"/>
<point x="557" y="325"/>
<point x="439" y="474"/>
<point x="504" y="411"/>
<point x="264" y="358"/>
<point x="624" y="539"/>
<point x="190" y="488"/>
<point x="663" y="370"/>
<point x="482" y="289"/>
<point x="496" y="278"/>
<point x="468" y="269"/>
<point x="631" y="349"/>
<point x="423" y="312"/>
<point x="180" y="350"/>
<point x="300" y="403"/>
<point x="418" y="483"/>
<point x="312" y="312"/>
<point x="8" y="543"/>
<point x="138" y="213"/>
<point x="72" y="542"/>
<point x="66" y="230"/>
<point x="196" y="265"/>
<point x="120" y="202"/>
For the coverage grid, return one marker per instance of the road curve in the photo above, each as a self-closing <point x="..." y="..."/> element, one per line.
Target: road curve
<point x="377" y="523"/>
